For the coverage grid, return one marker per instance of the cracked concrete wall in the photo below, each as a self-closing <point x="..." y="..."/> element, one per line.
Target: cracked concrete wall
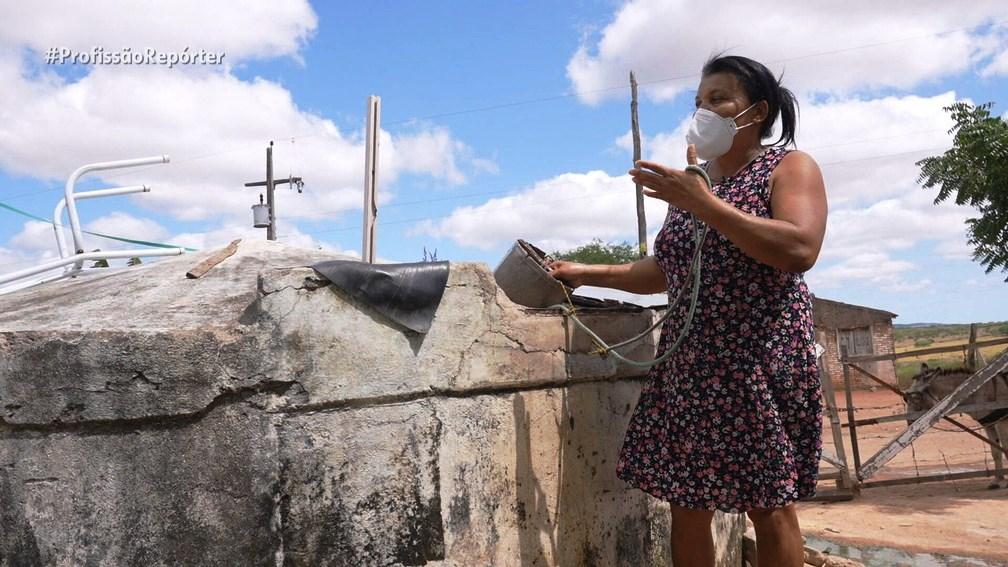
<point x="258" y="416"/>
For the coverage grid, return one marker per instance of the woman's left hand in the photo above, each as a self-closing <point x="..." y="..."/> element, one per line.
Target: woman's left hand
<point x="681" y="189"/>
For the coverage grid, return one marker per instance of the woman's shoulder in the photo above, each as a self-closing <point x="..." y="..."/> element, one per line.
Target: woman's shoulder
<point x="792" y="160"/>
<point x="794" y="156"/>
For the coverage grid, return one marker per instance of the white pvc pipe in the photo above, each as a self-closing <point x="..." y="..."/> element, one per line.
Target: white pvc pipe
<point x="69" y="190"/>
<point x="58" y="211"/>
<point x="84" y="257"/>
<point x="65" y="275"/>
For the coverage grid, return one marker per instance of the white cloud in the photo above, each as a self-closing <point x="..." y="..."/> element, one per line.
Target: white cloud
<point x="127" y="226"/>
<point x="867" y="148"/>
<point x="165" y="26"/>
<point x="876" y="268"/>
<point x="957" y="248"/>
<point x="215" y="127"/>
<point x="555" y="214"/>
<point x="998" y="64"/>
<point x="222" y="235"/>
<point x="893" y="224"/>
<point x="433" y="151"/>
<point x="820" y="46"/>
<point x="35" y="243"/>
<point x="35" y="236"/>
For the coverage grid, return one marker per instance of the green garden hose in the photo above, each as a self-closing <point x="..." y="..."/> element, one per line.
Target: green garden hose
<point x="699" y="235"/>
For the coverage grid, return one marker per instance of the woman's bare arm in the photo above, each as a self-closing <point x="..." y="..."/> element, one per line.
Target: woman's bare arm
<point x="789" y="241"/>
<point x="643" y="276"/>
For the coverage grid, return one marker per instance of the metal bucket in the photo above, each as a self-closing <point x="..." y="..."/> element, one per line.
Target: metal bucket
<point x="260" y="216"/>
<point x="523" y="277"/>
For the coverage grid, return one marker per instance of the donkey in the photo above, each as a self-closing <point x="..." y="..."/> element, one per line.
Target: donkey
<point x="932" y="384"/>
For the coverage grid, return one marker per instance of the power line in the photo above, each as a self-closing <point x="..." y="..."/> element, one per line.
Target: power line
<point x="562" y="96"/>
<point x="509" y="191"/>
<point x="98" y="234"/>
<point x="539" y="204"/>
<point x="679" y="77"/>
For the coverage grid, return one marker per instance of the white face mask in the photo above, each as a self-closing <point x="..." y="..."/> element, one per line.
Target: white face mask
<point x="712" y="134"/>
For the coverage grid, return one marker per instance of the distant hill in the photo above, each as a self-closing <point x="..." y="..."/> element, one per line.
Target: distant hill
<point x="947" y="330"/>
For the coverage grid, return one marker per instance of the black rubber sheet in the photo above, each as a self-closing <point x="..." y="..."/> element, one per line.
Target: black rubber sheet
<point x="408" y="294"/>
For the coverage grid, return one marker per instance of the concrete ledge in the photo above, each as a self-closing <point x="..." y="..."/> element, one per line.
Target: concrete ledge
<point x="263" y="418"/>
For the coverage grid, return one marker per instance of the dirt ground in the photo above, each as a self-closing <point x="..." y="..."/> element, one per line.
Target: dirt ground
<point x="961" y="517"/>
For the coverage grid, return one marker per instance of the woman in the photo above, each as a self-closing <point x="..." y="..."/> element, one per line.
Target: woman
<point x="732" y="420"/>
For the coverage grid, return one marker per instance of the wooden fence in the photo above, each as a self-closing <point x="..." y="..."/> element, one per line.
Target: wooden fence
<point x="850" y="481"/>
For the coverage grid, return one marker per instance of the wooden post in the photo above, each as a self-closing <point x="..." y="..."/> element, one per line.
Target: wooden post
<point x="848" y="387"/>
<point x="270" y="184"/>
<point x="971" y="354"/>
<point x="371" y="178"/>
<point x="635" y="126"/>
<point x="271" y="229"/>
<point x="834" y="418"/>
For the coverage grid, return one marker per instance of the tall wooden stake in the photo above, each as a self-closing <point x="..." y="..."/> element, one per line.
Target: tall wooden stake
<point x="371" y="178"/>
<point x="635" y="126"/>
<point x="971" y="355"/>
<point x="271" y="229"/>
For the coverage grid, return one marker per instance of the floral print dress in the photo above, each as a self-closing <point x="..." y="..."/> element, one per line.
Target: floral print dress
<point x="732" y="420"/>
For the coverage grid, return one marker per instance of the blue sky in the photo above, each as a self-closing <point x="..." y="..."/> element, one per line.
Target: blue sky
<point x="500" y="121"/>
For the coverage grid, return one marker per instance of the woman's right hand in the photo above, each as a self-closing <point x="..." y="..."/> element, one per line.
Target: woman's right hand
<point x="643" y="276"/>
<point x="570" y="273"/>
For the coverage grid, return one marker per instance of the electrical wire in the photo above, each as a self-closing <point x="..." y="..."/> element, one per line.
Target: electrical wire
<point x="539" y="100"/>
<point x="538" y="204"/>
<point x="550" y="98"/>
<point x="98" y="234"/>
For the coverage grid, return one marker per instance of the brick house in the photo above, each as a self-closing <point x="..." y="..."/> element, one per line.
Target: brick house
<point x="856" y="330"/>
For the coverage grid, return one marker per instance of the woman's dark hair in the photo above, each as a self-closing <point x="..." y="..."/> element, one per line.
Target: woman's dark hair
<point x="760" y="84"/>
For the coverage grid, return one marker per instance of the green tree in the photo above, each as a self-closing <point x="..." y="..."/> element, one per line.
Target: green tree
<point x="975" y="172"/>
<point x="599" y="252"/>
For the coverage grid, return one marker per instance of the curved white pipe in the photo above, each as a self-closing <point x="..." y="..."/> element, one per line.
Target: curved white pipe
<point x="58" y="211"/>
<point x="68" y="191"/>
<point x="83" y="257"/>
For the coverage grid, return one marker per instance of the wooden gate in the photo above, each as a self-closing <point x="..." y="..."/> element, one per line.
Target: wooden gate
<point x="922" y="421"/>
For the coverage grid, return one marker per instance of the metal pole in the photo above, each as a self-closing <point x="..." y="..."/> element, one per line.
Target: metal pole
<point x="58" y="211"/>
<point x="68" y="191"/>
<point x="84" y="257"/>
<point x="371" y="178"/>
<point x="271" y="229"/>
